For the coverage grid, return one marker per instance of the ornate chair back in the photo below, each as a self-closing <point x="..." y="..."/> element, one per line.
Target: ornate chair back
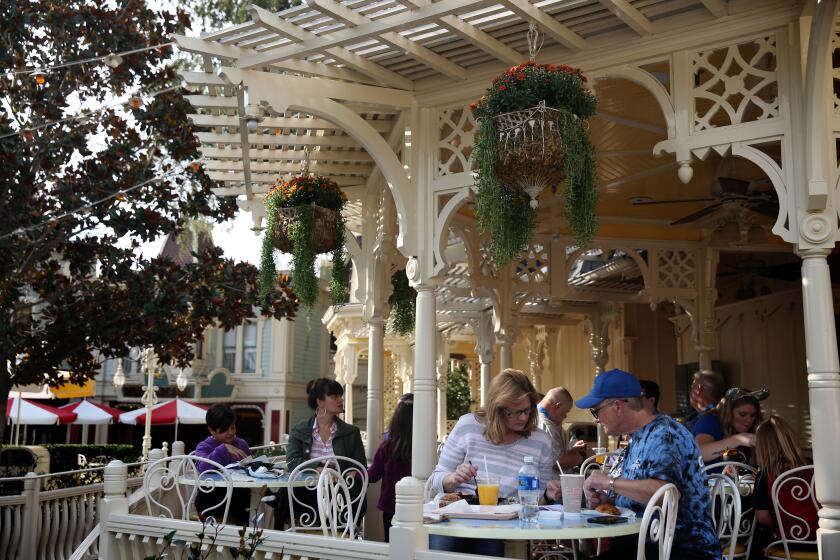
<point x="173" y="484"/>
<point x="744" y="476"/>
<point x="659" y="521"/>
<point x="725" y="500"/>
<point x="797" y="485"/>
<point x="339" y="495"/>
<point x="602" y="462"/>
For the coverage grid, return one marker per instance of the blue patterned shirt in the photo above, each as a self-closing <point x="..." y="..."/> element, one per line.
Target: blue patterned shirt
<point x="665" y="450"/>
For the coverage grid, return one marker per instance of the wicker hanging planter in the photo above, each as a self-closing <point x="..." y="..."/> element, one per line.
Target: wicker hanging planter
<point x="304" y="219"/>
<point x="324" y="233"/>
<point x="532" y="135"/>
<point x="532" y="154"/>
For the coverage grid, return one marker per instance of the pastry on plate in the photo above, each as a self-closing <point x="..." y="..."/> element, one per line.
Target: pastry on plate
<point x="608" y="509"/>
<point x="447" y="499"/>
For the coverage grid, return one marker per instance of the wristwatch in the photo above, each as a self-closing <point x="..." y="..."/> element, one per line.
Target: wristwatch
<point x="611" y="492"/>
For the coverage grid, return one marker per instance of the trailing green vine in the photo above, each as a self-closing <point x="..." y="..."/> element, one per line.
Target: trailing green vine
<point x="403" y="303"/>
<point x="305" y="194"/>
<point x="504" y="212"/>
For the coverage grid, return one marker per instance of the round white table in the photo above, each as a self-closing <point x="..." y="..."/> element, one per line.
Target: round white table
<point x="242" y="480"/>
<point x="570" y="527"/>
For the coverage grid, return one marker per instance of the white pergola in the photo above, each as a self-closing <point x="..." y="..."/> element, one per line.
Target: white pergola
<point x="377" y="91"/>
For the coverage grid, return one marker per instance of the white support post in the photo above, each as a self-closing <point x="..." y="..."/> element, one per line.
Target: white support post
<point x="376" y="376"/>
<point x="31" y="514"/>
<point x="484" y="348"/>
<point x="423" y="456"/>
<point x="408" y="534"/>
<point x="178" y="448"/>
<point x="441" y="365"/>
<point x="823" y="394"/>
<point x="114" y="502"/>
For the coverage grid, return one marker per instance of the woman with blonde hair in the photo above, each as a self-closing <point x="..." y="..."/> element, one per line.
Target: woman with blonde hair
<point x="730" y="426"/>
<point x="777" y="450"/>
<point x="496" y="439"/>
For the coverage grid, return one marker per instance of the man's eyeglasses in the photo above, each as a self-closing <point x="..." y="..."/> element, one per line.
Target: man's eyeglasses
<point x="517" y="413"/>
<point x="597" y="410"/>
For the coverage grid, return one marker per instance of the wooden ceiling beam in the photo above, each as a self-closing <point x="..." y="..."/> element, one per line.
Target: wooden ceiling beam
<point x="633" y="18"/>
<point x="283" y="168"/>
<point x="291" y="31"/>
<point x="718" y="8"/>
<point x="271" y="178"/>
<point x="232" y="153"/>
<point x="547" y="23"/>
<point x="278" y="140"/>
<point x="474" y="35"/>
<point x="282" y="122"/>
<point x="397" y="22"/>
<point x="415" y="50"/>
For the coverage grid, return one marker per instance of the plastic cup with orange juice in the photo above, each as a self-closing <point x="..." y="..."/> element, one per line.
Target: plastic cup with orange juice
<point x="600" y="454"/>
<point x="488" y="490"/>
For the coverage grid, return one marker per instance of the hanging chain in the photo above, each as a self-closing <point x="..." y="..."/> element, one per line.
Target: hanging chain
<point x="535" y="40"/>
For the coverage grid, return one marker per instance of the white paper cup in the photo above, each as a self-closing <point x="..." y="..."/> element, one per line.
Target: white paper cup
<point x="571" y="488"/>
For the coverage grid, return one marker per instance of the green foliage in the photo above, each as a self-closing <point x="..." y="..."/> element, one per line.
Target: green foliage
<point x="301" y="193"/>
<point x="65" y="457"/>
<point x="458" y="401"/>
<point x="221" y="13"/>
<point x="403" y="302"/>
<point x="250" y="538"/>
<point x="505" y="212"/>
<point x="72" y="191"/>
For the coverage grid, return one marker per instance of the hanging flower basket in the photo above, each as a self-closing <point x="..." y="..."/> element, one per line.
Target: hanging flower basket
<point x="324" y="235"/>
<point x="403" y="304"/>
<point x="303" y="217"/>
<point x="532" y="135"/>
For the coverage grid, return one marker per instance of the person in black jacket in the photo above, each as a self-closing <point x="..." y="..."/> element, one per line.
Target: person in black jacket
<point x="321" y="435"/>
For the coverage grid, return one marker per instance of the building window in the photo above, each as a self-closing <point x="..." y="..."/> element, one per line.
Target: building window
<point x="229" y="350"/>
<point x="249" y="347"/>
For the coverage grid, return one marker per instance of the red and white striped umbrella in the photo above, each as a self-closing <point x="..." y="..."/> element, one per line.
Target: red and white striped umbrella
<point x="26" y="412"/>
<point x="88" y="412"/>
<point x="169" y="412"/>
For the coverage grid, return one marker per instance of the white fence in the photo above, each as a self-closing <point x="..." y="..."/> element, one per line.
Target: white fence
<point x="50" y="524"/>
<point x="124" y="536"/>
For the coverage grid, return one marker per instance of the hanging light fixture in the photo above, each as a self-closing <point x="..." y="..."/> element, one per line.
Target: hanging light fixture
<point x="181" y="381"/>
<point x="119" y="376"/>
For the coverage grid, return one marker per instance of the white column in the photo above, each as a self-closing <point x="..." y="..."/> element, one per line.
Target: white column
<point x="376" y="376"/>
<point x="113" y="502"/>
<point x="484" y="348"/>
<point x="423" y="456"/>
<point x="441" y="365"/>
<point x="823" y="393"/>
<point x="505" y="352"/>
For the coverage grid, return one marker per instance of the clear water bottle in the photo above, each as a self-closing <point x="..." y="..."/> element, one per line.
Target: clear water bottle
<point x="529" y="491"/>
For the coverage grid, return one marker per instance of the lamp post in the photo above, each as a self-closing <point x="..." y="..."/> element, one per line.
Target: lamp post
<point x="149" y="399"/>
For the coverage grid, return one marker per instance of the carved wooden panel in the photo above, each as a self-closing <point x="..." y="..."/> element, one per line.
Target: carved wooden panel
<point x="735" y="84"/>
<point x="456" y="128"/>
<point x="676" y="269"/>
<point x="532" y="266"/>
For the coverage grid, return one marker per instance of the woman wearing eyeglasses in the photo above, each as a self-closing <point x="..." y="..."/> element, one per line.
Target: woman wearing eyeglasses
<point x="501" y="433"/>
<point x="730" y="426"/>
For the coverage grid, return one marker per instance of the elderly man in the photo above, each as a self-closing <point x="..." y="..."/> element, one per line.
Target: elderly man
<point x="707" y="389"/>
<point x="553" y="409"/>
<point x="660" y="451"/>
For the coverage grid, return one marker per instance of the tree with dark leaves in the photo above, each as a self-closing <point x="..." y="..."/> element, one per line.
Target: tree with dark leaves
<point x="216" y="14"/>
<point x="94" y="159"/>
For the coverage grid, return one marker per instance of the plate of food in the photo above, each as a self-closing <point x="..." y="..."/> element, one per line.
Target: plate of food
<point x="610" y="509"/>
<point x="461" y="509"/>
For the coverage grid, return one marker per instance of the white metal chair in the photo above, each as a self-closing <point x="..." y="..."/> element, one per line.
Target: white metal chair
<point x="659" y="521"/>
<point x="725" y="500"/>
<point x="592" y="464"/>
<point x="339" y="496"/>
<point x="739" y="472"/>
<point x="173" y="484"/>
<point x="798" y="485"/>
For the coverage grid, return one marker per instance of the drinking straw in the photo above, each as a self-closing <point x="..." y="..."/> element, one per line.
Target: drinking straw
<point x="486" y="470"/>
<point x="559" y="467"/>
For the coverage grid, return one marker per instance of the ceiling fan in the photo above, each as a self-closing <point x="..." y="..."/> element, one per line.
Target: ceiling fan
<point x="728" y="194"/>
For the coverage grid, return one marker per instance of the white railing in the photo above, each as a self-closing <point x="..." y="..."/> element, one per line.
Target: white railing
<point x="124" y="535"/>
<point x="50" y="524"/>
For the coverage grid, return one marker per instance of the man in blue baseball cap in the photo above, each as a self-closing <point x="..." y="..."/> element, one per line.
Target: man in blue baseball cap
<point x="660" y="451"/>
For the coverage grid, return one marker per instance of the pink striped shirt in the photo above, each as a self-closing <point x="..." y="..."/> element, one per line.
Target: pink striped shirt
<point x="320" y="448"/>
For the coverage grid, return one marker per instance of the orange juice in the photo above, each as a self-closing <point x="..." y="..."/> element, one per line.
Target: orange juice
<point x="488" y="494"/>
<point x="600" y="459"/>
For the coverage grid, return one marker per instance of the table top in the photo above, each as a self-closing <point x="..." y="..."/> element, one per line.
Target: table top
<point x="570" y="527"/>
<point x="242" y="480"/>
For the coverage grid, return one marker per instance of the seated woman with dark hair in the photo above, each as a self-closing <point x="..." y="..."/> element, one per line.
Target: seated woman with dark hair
<point x="321" y="435"/>
<point x="223" y="447"/>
